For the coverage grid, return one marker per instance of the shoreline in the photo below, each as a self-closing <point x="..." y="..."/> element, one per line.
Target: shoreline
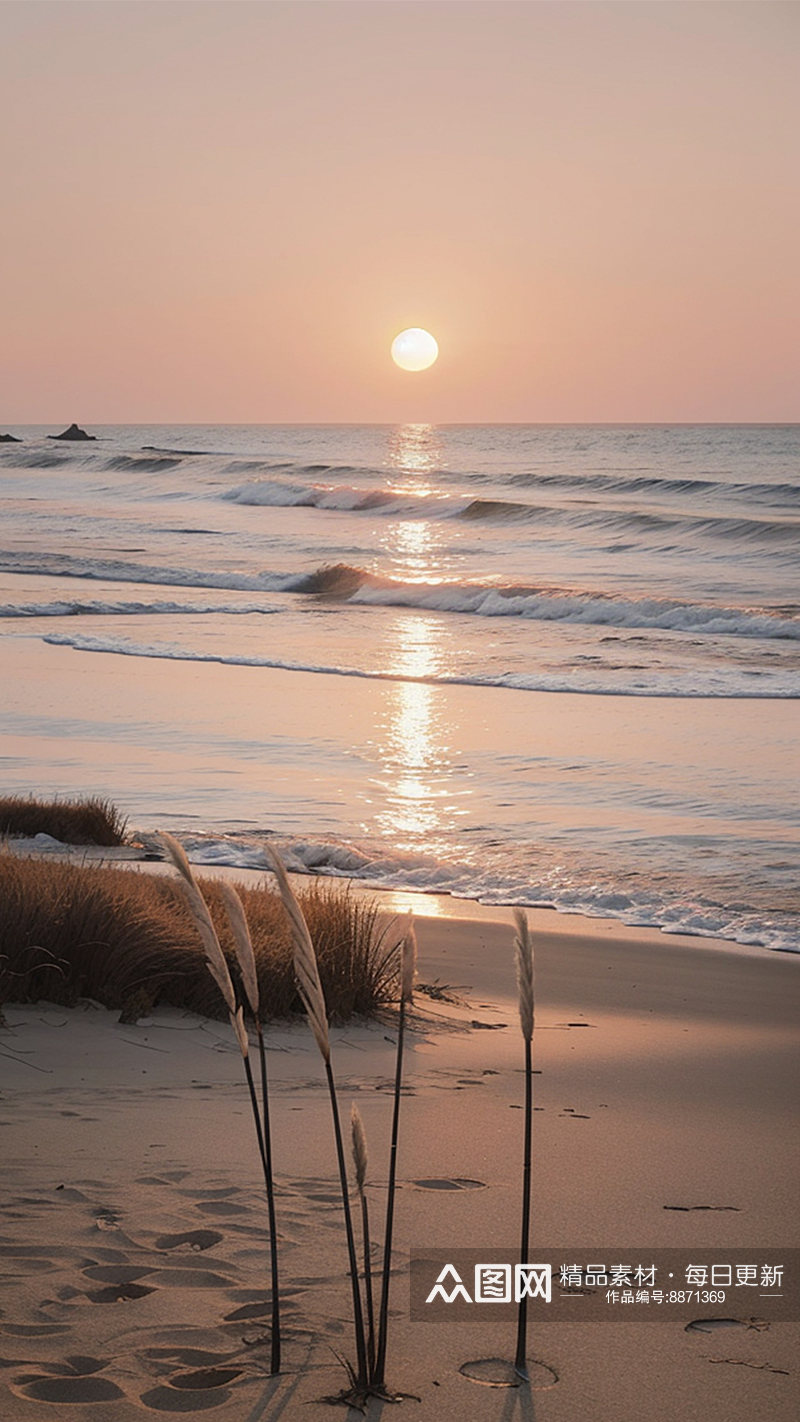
<point x="550" y="921"/>
<point x="346" y="797"/>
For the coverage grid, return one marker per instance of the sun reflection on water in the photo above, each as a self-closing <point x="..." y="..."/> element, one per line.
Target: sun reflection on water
<point x="421" y="793"/>
<point x="420" y="800"/>
<point x="414" y="451"/>
<point x="415" y="547"/>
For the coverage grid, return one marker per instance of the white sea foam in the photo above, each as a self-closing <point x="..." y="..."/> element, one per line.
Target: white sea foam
<point x="555" y="606"/>
<point x="112" y="570"/>
<point x="426" y="874"/>
<point x="87" y="608"/>
<point x="272" y="493"/>
<point x="640" y="682"/>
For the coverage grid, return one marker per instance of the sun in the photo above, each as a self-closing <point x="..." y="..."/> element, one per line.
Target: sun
<point x="414" y="349"/>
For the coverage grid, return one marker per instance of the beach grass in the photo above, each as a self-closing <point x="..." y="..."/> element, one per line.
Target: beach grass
<point x="127" y="941"/>
<point x="85" y="821"/>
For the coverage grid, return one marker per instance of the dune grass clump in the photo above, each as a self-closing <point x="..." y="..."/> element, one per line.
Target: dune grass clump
<point x="88" y="821"/>
<point x="128" y="941"/>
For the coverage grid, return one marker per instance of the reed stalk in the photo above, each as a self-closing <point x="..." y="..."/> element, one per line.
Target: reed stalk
<point x="243" y="946"/>
<point x="310" y="989"/>
<point x="408" y="964"/>
<point x="360" y="1162"/>
<point x="218" y="968"/>
<point x="525" y="980"/>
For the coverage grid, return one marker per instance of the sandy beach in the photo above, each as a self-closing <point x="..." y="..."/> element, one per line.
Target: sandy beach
<point x="399" y="488"/>
<point x="134" y="1225"/>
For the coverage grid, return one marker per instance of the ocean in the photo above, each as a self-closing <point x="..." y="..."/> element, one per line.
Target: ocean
<point x="530" y="664"/>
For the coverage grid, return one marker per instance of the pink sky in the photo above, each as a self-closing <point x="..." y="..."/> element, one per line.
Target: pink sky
<point x="225" y="211"/>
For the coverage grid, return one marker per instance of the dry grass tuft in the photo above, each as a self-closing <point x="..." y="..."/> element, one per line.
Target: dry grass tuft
<point x="90" y="821"/>
<point x="128" y="941"/>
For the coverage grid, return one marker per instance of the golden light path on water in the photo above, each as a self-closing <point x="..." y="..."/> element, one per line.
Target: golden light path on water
<point x="422" y="790"/>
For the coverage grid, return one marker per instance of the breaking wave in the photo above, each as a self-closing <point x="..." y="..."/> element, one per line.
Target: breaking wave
<point x="141" y="464"/>
<point x="343" y="583"/>
<point x="272" y="493"/>
<point x="548" y="604"/>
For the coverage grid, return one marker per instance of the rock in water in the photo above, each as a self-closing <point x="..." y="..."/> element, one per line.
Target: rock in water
<point x="10" y="439"/>
<point x="74" y="432"/>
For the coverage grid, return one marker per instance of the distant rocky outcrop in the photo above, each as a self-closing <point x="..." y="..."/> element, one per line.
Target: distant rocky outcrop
<point x="10" y="439"/>
<point x="74" y="432"/>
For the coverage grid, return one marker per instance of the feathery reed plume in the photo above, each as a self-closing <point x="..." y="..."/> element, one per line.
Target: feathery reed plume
<point x="237" y="1021"/>
<point x="408" y="966"/>
<point x="215" y="958"/>
<point x="246" y="958"/>
<point x="305" y="960"/>
<point x="310" y="989"/>
<point x="218" y="968"/>
<point x="360" y="1162"/>
<point x="359" y="1146"/>
<point x="524" y="962"/>
<point x="242" y="944"/>
<point x="408" y="962"/>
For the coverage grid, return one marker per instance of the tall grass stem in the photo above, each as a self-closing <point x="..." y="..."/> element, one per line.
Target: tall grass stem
<point x="310" y="989"/>
<point x="360" y="1161"/>
<point x="358" y="1315"/>
<point x="525" y="984"/>
<point x="383" y="1315"/>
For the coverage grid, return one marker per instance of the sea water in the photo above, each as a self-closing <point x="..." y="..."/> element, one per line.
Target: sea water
<point x="522" y="664"/>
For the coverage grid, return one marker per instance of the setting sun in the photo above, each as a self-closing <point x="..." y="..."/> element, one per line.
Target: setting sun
<point x="414" y="349"/>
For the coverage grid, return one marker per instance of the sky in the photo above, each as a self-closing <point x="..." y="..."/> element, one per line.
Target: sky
<point x="224" y="212"/>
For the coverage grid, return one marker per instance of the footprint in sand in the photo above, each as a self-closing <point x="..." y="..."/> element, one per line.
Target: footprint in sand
<point x="189" y="1279"/>
<point x="120" y="1281"/>
<point x="33" y="1330"/>
<point x="73" y="1381"/>
<point x="210" y="1194"/>
<point x="250" y="1310"/>
<point x="186" y="1399"/>
<point x="454" y="1183"/>
<point x="500" y="1372"/>
<point x="689" y="1209"/>
<point x="65" y="1390"/>
<point x="119" y="1293"/>
<point x="710" y="1325"/>
<point x="190" y="1239"/>
<point x="114" y="1273"/>
<point x="220" y="1208"/>
<point x="205" y="1379"/>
